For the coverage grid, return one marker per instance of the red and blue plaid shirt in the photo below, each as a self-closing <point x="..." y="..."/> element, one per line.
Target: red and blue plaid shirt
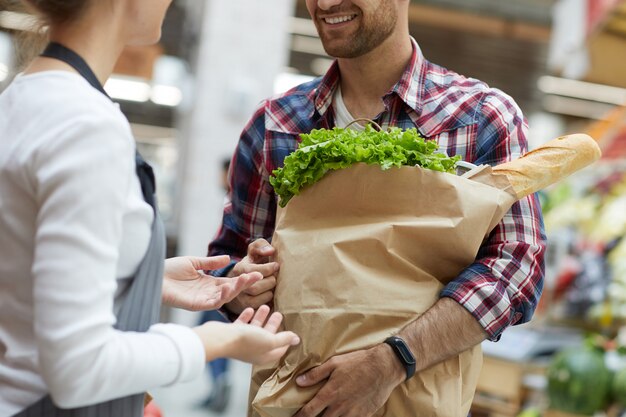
<point x="465" y="116"/>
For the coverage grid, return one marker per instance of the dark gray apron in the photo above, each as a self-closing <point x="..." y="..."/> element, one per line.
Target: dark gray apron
<point x="142" y="300"/>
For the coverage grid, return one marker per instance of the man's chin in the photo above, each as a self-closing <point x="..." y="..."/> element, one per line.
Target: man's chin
<point x="342" y="51"/>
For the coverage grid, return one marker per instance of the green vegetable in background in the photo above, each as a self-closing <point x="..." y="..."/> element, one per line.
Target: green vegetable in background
<point x="530" y="412"/>
<point x="323" y="150"/>
<point x="578" y="381"/>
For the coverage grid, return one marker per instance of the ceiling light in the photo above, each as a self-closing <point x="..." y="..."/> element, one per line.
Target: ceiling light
<point x="165" y="95"/>
<point x="576" y="107"/>
<point x="582" y="90"/>
<point x="128" y="89"/>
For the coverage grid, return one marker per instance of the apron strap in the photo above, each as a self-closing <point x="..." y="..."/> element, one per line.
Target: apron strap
<point x="57" y="51"/>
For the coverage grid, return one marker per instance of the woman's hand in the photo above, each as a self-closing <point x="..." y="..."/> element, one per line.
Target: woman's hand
<point x="251" y="338"/>
<point x="186" y="286"/>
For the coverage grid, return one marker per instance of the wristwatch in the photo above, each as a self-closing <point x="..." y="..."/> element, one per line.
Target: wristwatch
<point x="403" y="353"/>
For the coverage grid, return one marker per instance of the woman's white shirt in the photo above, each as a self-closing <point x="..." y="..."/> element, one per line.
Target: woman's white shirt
<point x="73" y="228"/>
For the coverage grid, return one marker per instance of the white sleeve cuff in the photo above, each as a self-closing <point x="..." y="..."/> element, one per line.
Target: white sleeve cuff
<point x="190" y="350"/>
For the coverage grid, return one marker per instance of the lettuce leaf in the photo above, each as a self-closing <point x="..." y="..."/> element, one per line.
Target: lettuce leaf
<point x="324" y="150"/>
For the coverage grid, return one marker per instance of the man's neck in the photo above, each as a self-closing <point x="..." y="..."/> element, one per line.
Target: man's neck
<point x="366" y="79"/>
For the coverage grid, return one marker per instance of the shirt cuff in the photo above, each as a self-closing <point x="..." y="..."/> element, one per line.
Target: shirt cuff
<point x="484" y="296"/>
<point x="223" y="272"/>
<point x="192" y="357"/>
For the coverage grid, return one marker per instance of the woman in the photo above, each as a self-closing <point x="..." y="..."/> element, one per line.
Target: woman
<point x="81" y="270"/>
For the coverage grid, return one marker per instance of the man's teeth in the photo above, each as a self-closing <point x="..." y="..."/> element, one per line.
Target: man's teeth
<point x="336" y="20"/>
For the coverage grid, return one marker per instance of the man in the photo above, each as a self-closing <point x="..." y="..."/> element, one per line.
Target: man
<point x="381" y="74"/>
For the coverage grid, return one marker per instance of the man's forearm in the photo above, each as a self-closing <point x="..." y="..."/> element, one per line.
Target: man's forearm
<point x="444" y="331"/>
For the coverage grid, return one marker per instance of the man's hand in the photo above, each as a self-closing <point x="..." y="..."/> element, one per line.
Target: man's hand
<point x="186" y="286"/>
<point x="356" y="384"/>
<point x="262" y="292"/>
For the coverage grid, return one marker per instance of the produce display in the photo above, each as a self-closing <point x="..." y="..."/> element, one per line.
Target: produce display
<point x="618" y="388"/>
<point x="585" y="220"/>
<point x="578" y="381"/>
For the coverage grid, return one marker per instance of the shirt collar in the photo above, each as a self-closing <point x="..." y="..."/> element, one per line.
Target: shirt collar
<point x="326" y="89"/>
<point x="408" y="88"/>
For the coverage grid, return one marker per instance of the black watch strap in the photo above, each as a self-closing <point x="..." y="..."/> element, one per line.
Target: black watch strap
<point x="404" y="354"/>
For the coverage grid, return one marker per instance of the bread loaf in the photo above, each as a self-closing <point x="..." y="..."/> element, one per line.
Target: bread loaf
<point x="549" y="163"/>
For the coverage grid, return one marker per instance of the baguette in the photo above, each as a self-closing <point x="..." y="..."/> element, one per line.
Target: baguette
<point x="549" y="163"/>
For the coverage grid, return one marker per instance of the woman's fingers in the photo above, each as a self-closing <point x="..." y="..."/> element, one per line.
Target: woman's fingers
<point x="245" y="316"/>
<point x="282" y="342"/>
<point x="232" y="287"/>
<point x="260" y="316"/>
<point x="273" y="323"/>
<point x="208" y="263"/>
<point x="286" y="339"/>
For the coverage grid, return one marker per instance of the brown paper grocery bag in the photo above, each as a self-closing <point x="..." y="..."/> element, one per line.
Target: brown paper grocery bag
<point x="363" y="253"/>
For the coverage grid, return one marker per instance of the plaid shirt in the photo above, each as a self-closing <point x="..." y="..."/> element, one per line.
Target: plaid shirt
<point x="465" y="116"/>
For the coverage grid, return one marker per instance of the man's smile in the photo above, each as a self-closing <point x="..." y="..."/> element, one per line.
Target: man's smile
<point x="335" y="20"/>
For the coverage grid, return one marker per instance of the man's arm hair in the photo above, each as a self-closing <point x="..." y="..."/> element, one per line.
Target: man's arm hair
<point x="444" y="331"/>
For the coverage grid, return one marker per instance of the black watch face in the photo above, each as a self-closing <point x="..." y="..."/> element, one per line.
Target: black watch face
<point x="407" y="357"/>
<point x="403" y="353"/>
<point x="402" y="349"/>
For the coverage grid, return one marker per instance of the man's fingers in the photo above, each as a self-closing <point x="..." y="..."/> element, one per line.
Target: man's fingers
<point x="260" y="250"/>
<point x="267" y="269"/>
<point x="258" y="244"/>
<point x="209" y="263"/>
<point x="315" y="375"/>
<point x="333" y="411"/>
<point x="259" y="300"/>
<point x="264" y="285"/>
<point x="313" y="408"/>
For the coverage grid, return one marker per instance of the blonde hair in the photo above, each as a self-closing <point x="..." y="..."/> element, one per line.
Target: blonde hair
<point x="29" y="44"/>
<point x="58" y="11"/>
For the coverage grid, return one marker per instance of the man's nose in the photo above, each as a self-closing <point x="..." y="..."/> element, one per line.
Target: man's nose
<point x="327" y="4"/>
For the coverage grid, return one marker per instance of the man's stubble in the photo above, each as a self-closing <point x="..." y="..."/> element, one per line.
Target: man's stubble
<point x="374" y="29"/>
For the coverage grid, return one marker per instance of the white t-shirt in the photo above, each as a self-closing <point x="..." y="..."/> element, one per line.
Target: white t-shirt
<point x="342" y="115"/>
<point x="73" y="227"/>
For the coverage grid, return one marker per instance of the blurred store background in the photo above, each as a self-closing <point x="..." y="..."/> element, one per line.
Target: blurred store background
<point x="564" y="62"/>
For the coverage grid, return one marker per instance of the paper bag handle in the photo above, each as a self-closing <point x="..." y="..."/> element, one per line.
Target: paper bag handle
<point x="370" y="121"/>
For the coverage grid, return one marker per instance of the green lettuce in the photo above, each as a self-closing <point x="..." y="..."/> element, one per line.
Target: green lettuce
<point x="324" y="150"/>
